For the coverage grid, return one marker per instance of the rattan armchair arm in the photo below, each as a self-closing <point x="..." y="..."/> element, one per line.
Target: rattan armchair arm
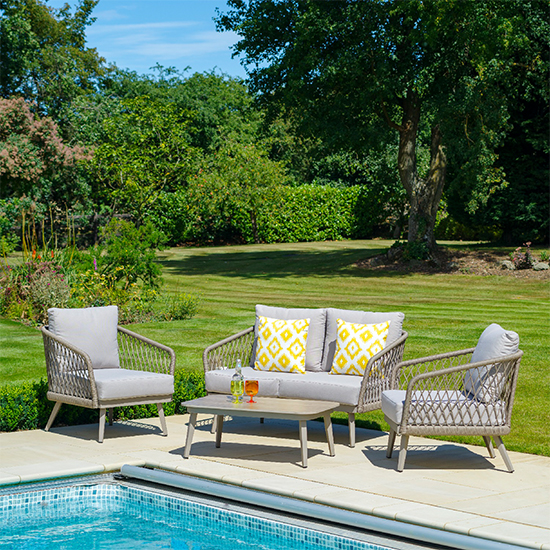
<point x="405" y="371"/>
<point x="69" y="370"/>
<point x="225" y="353"/>
<point x="136" y="352"/>
<point x="378" y="374"/>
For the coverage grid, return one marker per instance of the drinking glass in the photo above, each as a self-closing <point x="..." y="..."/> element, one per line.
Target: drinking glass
<point x="237" y="389"/>
<point x="251" y="389"/>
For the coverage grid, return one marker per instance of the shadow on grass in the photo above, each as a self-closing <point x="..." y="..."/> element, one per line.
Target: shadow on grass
<point x="275" y="263"/>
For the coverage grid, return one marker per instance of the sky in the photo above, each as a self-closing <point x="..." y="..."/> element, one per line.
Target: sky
<point x="138" y="34"/>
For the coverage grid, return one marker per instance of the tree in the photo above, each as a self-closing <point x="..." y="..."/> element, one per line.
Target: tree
<point x="34" y="160"/>
<point x="146" y="150"/>
<point x="43" y="53"/>
<point x="440" y="74"/>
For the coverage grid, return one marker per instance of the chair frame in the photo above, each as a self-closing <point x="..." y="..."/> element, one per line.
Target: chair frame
<point x="377" y="377"/>
<point x="71" y="374"/>
<point x="446" y="371"/>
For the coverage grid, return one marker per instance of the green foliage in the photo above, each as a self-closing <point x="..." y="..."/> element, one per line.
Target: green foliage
<point x="146" y="150"/>
<point x="180" y="306"/>
<point x="26" y="407"/>
<point x="415" y="250"/>
<point x="130" y="253"/>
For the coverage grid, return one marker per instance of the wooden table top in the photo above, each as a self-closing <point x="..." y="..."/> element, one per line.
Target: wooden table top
<point x="268" y="407"/>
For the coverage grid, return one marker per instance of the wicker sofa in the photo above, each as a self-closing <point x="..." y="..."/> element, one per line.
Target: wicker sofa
<point x="356" y="394"/>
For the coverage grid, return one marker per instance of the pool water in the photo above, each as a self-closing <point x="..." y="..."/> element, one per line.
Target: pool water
<point x="110" y="515"/>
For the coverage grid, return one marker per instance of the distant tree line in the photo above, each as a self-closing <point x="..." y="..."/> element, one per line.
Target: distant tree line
<point x="358" y="119"/>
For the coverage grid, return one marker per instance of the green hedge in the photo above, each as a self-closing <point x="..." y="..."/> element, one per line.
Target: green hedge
<point x="26" y="407"/>
<point x="305" y="213"/>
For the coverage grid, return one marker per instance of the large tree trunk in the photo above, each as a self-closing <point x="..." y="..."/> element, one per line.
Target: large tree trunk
<point x="424" y="193"/>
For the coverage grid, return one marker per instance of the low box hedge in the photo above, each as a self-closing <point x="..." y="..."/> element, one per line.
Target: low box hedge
<point x="26" y="407"/>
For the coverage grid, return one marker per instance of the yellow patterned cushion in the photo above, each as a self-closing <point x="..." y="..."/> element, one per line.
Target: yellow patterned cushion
<point x="281" y="345"/>
<point x="356" y="344"/>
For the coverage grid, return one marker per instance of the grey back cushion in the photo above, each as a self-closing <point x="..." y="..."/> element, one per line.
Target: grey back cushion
<point x="485" y="383"/>
<point x="363" y="317"/>
<point x="315" y="336"/>
<point x="91" y="329"/>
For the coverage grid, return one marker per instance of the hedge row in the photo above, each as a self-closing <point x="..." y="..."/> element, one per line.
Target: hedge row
<point x="305" y="213"/>
<point x="26" y="407"/>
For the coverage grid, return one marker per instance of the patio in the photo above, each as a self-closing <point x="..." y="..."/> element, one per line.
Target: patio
<point x="444" y="485"/>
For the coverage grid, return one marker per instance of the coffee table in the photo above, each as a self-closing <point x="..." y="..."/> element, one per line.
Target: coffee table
<point x="265" y="407"/>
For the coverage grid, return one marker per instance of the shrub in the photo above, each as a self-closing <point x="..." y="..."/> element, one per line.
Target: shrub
<point x="416" y="250"/>
<point x="522" y="260"/>
<point x="26" y="407"/>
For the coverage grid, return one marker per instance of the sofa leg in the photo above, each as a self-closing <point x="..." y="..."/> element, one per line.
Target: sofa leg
<point x="53" y="414"/>
<point x="489" y="445"/>
<point x="402" y="453"/>
<point x="160" y="410"/>
<point x="214" y="423"/>
<point x="101" y="424"/>
<point x="391" y="443"/>
<point x="503" y="453"/>
<point x="351" y="423"/>
<point x="110" y="413"/>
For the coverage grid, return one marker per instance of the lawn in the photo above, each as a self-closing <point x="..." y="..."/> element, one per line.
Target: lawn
<point x="442" y="313"/>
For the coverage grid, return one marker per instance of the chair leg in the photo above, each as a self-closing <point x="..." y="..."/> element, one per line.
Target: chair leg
<point x="101" y="424"/>
<point x="489" y="445"/>
<point x="160" y="409"/>
<point x="503" y="453"/>
<point x="53" y="414"/>
<point x="351" y="424"/>
<point x="391" y="443"/>
<point x="214" y="425"/>
<point x="402" y="453"/>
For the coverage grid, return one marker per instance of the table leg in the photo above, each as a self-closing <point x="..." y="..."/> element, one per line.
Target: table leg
<point x="303" y="442"/>
<point x="219" y="427"/>
<point x="330" y="435"/>
<point x="190" y="433"/>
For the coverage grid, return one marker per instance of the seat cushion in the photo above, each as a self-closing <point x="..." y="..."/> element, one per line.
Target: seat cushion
<point x="356" y="344"/>
<point x="91" y="329"/>
<point x="126" y="384"/>
<point x="442" y="408"/>
<point x="281" y="345"/>
<point x="219" y="381"/>
<point x="322" y="386"/>
<point x="361" y="317"/>
<point x="316" y="331"/>
<point x="486" y="383"/>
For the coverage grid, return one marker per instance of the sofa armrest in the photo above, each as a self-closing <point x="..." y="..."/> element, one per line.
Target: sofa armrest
<point x="378" y="374"/>
<point x="136" y="352"/>
<point x="69" y="369"/>
<point x="224" y="354"/>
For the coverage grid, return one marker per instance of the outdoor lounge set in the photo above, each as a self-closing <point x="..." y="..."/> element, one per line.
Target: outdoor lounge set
<point x="350" y="360"/>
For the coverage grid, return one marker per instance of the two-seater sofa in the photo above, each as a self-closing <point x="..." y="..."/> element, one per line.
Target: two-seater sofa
<point x="356" y="394"/>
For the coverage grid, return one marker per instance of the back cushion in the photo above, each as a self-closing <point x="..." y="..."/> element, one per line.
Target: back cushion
<point x="485" y="383"/>
<point x="92" y="329"/>
<point x="362" y="317"/>
<point x="315" y="336"/>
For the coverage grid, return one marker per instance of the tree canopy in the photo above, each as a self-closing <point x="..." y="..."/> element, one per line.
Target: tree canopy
<point x="443" y="75"/>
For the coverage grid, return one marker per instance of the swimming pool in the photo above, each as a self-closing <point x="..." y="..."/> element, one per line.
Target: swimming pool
<point x="105" y="513"/>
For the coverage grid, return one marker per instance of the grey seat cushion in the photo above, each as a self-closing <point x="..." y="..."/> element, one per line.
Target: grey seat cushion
<point x="322" y="386"/>
<point x="486" y="383"/>
<point x="123" y="384"/>
<point x="363" y="317"/>
<point x="91" y="329"/>
<point x="315" y="336"/>
<point x="442" y="408"/>
<point x="219" y="381"/>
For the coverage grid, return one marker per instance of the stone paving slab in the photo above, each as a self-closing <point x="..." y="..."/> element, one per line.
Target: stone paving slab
<point x="446" y="486"/>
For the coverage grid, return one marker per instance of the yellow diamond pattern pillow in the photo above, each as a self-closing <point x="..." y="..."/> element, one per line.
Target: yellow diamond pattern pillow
<point x="356" y="344"/>
<point x="281" y="345"/>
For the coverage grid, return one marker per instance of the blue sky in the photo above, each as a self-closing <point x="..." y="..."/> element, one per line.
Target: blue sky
<point x="138" y="34"/>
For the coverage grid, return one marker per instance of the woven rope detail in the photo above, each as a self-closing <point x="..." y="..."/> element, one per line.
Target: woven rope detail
<point x="226" y="355"/>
